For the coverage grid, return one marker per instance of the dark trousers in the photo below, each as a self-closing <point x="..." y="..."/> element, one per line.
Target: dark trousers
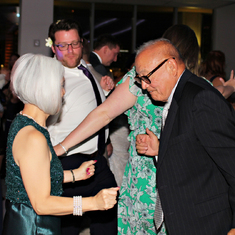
<point x="102" y="222"/>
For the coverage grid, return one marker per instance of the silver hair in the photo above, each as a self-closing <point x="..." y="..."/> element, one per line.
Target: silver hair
<point x="36" y="79"/>
<point x="150" y="43"/>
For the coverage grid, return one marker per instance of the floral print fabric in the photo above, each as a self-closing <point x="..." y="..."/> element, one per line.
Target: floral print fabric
<point x="137" y="199"/>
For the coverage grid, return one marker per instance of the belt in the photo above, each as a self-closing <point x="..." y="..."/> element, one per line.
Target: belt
<point x="95" y="154"/>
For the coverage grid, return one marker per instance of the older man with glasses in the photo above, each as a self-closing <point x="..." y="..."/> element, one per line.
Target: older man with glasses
<point x="196" y="155"/>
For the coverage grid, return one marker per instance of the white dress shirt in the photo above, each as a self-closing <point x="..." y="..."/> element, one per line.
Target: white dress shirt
<point x="79" y="101"/>
<point x="167" y="106"/>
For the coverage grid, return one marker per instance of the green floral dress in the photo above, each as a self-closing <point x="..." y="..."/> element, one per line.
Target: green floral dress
<point x="137" y="199"/>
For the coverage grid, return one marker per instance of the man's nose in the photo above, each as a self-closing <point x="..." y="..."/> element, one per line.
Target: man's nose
<point x="144" y="85"/>
<point x="70" y="48"/>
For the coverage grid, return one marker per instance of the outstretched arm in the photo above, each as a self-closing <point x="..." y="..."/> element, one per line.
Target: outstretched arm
<point x="35" y="172"/>
<point x="147" y="144"/>
<point x="118" y="102"/>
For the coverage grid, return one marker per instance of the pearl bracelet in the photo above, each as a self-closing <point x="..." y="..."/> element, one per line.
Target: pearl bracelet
<point x="77" y="205"/>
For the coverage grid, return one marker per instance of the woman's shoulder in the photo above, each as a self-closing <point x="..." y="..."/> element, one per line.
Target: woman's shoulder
<point x="216" y="80"/>
<point x="134" y="87"/>
<point x="31" y="136"/>
<point x="27" y="133"/>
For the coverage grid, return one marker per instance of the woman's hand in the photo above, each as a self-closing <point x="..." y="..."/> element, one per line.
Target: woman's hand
<point x="230" y="82"/>
<point x="85" y="171"/>
<point x="106" y="198"/>
<point x="147" y="144"/>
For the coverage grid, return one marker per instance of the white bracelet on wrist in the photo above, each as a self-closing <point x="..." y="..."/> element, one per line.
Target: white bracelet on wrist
<point x="77" y="205"/>
<point x="65" y="150"/>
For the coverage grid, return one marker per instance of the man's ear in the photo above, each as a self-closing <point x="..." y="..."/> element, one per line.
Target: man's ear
<point x="172" y="66"/>
<point x="53" y="48"/>
<point x="105" y="49"/>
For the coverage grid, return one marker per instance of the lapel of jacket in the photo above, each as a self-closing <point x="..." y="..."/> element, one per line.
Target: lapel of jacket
<point x="169" y="123"/>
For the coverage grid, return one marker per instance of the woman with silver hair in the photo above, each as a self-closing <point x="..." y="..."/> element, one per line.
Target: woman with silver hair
<point x="34" y="174"/>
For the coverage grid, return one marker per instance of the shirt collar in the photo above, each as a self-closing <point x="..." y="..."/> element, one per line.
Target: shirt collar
<point x="82" y="62"/>
<point x="173" y="90"/>
<point x="97" y="56"/>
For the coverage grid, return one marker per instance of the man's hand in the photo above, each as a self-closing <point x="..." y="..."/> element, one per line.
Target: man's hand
<point x="147" y="144"/>
<point x="107" y="83"/>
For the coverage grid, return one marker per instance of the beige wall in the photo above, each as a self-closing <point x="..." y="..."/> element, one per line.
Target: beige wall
<point x="36" y="16"/>
<point x="194" y="21"/>
<point x="224" y="34"/>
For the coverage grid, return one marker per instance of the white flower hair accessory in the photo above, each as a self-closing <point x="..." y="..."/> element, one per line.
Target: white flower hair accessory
<point x="48" y="42"/>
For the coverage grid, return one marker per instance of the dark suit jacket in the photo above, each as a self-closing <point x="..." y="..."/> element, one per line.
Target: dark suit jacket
<point x="196" y="162"/>
<point x="100" y="68"/>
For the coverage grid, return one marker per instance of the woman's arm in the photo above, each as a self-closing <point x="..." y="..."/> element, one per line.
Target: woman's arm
<point x="118" y="102"/>
<point x="32" y="155"/>
<point x="226" y="88"/>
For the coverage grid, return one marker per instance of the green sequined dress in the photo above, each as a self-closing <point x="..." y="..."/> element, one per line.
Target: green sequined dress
<point x="20" y="218"/>
<point x="136" y="204"/>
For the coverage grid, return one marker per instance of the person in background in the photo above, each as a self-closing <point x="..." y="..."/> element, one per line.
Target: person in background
<point x="185" y="40"/>
<point x="106" y="50"/>
<point x="6" y="89"/>
<point x="213" y="67"/>
<point x="34" y="174"/>
<point x="106" y="82"/>
<point x="12" y="105"/>
<point x="83" y="94"/>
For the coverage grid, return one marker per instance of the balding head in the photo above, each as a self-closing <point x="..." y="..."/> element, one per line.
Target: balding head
<point x="160" y="48"/>
<point x="149" y="57"/>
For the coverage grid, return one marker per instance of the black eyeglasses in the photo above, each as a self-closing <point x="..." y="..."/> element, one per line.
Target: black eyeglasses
<point x="65" y="46"/>
<point x="145" y="78"/>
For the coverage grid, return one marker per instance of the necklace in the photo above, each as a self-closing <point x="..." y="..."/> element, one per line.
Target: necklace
<point x="26" y="115"/>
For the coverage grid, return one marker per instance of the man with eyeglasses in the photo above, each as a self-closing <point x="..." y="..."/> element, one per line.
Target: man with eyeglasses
<point x="82" y="95"/>
<point x="196" y="153"/>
